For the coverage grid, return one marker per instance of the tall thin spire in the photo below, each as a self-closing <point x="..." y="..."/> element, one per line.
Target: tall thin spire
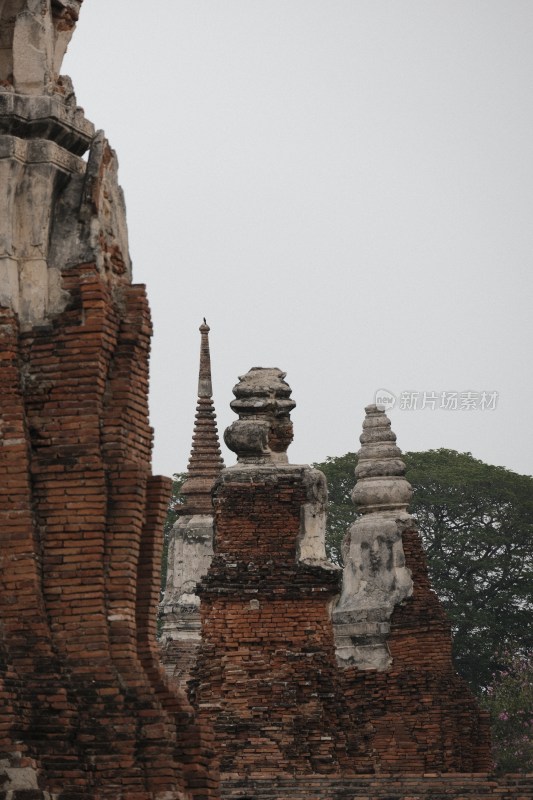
<point x="205" y="462"/>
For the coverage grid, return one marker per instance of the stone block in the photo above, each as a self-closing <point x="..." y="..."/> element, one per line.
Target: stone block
<point x="9" y="283"/>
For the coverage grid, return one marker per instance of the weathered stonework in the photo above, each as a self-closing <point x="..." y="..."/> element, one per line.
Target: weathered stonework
<point x="266" y="671"/>
<point x="190" y="547"/>
<point x="375" y="577"/>
<point x="85" y="710"/>
<point x="292" y="719"/>
<point x="42" y="138"/>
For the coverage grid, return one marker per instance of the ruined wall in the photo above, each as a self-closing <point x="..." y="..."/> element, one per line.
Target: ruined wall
<point x="267" y="674"/>
<point x="295" y="715"/>
<point x="383" y="787"/>
<point x="85" y="711"/>
<point x="393" y="639"/>
<point x="190" y="552"/>
<point x="267" y="667"/>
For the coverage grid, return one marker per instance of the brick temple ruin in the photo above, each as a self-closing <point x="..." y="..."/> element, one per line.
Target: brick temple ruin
<point x="305" y="673"/>
<point x="305" y="683"/>
<point x="190" y="547"/>
<point x="85" y="709"/>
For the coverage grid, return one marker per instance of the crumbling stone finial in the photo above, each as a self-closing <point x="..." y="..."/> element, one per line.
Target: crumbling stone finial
<point x="263" y="431"/>
<point x="380" y="471"/>
<point x="375" y="577"/>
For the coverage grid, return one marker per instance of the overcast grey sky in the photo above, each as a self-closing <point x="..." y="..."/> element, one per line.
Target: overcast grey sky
<point x="344" y="189"/>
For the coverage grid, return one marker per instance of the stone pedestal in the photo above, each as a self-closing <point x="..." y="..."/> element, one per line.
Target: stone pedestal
<point x="267" y="673"/>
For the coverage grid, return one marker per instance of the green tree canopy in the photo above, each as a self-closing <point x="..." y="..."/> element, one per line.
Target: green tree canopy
<point x="476" y="522"/>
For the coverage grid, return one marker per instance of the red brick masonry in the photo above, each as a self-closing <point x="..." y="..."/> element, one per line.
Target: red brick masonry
<point x="385" y="787"/>
<point x="289" y="723"/>
<point x="85" y="711"/>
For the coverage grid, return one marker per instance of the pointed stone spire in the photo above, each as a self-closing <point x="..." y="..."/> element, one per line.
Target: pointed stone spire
<point x="205" y="462"/>
<point x="190" y="547"/>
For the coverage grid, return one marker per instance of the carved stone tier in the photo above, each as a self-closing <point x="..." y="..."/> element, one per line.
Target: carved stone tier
<point x="375" y="577"/>
<point x="34" y="36"/>
<point x="57" y="211"/>
<point x="263" y="431"/>
<point x="54" y="118"/>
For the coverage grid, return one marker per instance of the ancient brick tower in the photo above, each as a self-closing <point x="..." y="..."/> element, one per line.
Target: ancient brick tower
<point x="84" y="709"/>
<point x="191" y="540"/>
<point x="267" y="670"/>
<point x="301" y="700"/>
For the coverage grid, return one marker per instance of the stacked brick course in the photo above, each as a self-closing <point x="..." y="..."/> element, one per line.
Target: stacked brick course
<point x="385" y="787"/>
<point x="85" y="711"/>
<point x="420" y="715"/>
<point x="268" y="672"/>
<point x="293" y="720"/>
<point x="81" y="540"/>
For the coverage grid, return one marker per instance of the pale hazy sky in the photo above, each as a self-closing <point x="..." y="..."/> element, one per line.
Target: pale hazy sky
<point x="344" y="189"/>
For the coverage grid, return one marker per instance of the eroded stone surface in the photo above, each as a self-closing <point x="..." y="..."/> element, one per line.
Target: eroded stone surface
<point x="86" y="710"/>
<point x="375" y="577"/>
<point x="263" y="431"/>
<point x="56" y="210"/>
<point x="33" y="41"/>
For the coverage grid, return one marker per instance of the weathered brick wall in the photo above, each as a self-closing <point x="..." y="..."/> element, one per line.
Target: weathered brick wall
<point x="420" y="715"/>
<point x="86" y="710"/>
<point x="385" y="787"/>
<point x="268" y="670"/>
<point x="178" y="658"/>
<point x="267" y="673"/>
<point x="289" y="723"/>
<point x="283" y="702"/>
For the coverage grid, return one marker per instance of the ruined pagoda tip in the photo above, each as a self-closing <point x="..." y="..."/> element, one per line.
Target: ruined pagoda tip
<point x="206" y="461"/>
<point x="263" y="431"/>
<point x="380" y="471"/>
<point x="205" y="388"/>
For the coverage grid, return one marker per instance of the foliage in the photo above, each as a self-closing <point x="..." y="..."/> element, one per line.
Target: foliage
<point x="509" y="699"/>
<point x="476" y="522"/>
<point x="341" y="511"/>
